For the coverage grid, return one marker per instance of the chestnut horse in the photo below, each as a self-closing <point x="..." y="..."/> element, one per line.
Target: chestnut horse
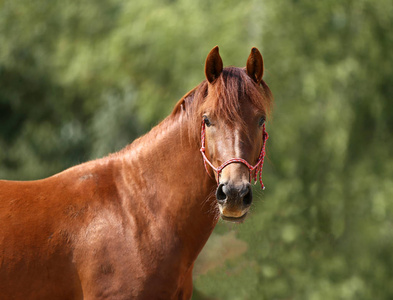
<point x="131" y="225"/>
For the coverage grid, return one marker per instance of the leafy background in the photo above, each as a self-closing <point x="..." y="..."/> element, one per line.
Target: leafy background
<point x="81" y="79"/>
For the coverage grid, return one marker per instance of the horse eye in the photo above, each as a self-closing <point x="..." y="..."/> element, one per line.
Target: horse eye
<point x="206" y="120"/>
<point x="261" y="121"/>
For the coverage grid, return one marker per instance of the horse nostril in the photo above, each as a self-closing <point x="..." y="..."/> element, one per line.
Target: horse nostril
<point x="247" y="198"/>
<point x="220" y="194"/>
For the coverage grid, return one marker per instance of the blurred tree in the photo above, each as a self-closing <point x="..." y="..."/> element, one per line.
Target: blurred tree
<point x="325" y="231"/>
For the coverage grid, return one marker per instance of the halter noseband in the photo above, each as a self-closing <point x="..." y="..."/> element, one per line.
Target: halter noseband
<point x="257" y="167"/>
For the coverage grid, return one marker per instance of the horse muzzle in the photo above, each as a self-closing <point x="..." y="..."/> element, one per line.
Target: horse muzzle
<point x="234" y="201"/>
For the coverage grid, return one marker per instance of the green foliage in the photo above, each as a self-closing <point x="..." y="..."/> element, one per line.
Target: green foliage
<point x="323" y="227"/>
<point x="81" y="79"/>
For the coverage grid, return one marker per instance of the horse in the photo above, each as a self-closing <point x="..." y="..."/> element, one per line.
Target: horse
<point x="131" y="225"/>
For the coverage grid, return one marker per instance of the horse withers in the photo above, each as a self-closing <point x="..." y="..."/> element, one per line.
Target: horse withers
<point x="131" y="225"/>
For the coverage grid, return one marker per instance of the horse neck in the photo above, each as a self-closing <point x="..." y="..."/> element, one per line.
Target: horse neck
<point x="165" y="170"/>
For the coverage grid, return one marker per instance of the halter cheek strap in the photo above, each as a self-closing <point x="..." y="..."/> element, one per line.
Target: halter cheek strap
<point x="257" y="167"/>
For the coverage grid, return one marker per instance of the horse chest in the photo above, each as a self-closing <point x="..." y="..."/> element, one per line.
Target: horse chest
<point x="127" y="262"/>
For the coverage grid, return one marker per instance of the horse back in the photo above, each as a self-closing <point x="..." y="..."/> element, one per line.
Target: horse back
<point x="71" y="233"/>
<point x="40" y="222"/>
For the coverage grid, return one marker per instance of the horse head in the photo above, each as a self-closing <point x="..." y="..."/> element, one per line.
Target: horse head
<point x="233" y="130"/>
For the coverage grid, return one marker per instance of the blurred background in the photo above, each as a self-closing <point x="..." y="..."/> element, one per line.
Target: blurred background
<point x="81" y="79"/>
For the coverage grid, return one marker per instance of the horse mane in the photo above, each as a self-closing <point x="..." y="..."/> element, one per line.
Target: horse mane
<point x="225" y="96"/>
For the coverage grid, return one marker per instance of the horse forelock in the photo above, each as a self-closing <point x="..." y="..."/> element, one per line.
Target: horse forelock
<point x="223" y="99"/>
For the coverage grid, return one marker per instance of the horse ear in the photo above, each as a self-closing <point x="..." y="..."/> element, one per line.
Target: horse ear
<point x="213" y="65"/>
<point x="255" y="65"/>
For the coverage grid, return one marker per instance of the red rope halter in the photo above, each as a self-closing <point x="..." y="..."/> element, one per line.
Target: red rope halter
<point x="258" y="166"/>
